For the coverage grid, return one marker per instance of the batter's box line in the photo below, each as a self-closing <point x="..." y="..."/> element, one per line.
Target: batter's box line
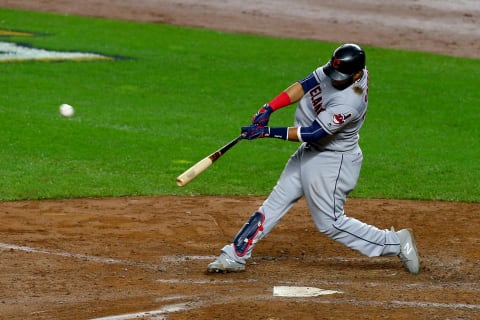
<point x="84" y="257"/>
<point x="209" y="281"/>
<point x="402" y="304"/>
<point x="154" y="314"/>
<point x="183" y="258"/>
<point x="102" y="260"/>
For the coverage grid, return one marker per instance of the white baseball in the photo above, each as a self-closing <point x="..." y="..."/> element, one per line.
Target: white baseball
<point x="66" y="110"/>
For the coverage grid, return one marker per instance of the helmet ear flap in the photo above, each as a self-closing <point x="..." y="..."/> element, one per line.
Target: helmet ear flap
<point x="346" y="60"/>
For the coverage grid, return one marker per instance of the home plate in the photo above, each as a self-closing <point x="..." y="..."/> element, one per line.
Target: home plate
<point x="287" y="291"/>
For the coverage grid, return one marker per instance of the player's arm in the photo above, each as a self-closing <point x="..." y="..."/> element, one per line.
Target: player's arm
<point x="312" y="133"/>
<point x="287" y="97"/>
<point x="337" y="116"/>
<point x="290" y="95"/>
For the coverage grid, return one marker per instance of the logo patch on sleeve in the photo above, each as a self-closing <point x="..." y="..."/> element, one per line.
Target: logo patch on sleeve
<point x="340" y="118"/>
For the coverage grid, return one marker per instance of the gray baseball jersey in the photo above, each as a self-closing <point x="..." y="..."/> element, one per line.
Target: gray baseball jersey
<point x="326" y="171"/>
<point x="340" y="112"/>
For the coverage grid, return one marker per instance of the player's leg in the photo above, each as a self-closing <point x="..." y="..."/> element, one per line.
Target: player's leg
<point x="330" y="178"/>
<point x="283" y="196"/>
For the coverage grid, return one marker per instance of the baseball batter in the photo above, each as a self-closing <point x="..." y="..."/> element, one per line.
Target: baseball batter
<point x="332" y="105"/>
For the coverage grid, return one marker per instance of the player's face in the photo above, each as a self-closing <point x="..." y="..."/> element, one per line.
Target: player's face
<point x="342" y="84"/>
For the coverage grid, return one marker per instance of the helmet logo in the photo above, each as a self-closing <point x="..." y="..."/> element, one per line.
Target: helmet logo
<point x="335" y="63"/>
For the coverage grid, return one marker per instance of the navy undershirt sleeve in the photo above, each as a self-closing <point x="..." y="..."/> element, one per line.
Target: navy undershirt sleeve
<point x="313" y="133"/>
<point x="309" y="82"/>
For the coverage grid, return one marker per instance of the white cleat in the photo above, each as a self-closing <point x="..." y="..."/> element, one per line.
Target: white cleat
<point x="408" y="251"/>
<point x="224" y="264"/>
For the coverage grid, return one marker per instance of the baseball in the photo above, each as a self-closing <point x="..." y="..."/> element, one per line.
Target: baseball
<point x="66" y="110"/>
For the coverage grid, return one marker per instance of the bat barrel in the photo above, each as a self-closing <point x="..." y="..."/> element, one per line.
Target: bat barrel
<point x="194" y="171"/>
<point x="203" y="164"/>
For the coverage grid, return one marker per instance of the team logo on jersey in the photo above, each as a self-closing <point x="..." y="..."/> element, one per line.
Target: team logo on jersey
<point x="340" y="118"/>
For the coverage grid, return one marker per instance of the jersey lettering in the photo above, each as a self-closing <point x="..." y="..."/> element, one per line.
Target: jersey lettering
<point x="317" y="101"/>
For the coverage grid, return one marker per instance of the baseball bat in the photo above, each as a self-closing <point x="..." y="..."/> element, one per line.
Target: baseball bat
<point x="202" y="165"/>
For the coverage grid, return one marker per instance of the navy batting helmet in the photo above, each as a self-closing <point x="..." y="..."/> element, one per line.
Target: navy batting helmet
<point x="346" y="60"/>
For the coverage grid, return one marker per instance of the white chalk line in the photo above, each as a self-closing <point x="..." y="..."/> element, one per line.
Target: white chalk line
<point x="436" y="305"/>
<point x="215" y="281"/>
<point x="175" y="297"/>
<point x="102" y="260"/>
<point x="401" y="304"/>
<point x="185" y="306"/>
<point x="183" y="258"/>
<point x="85" y="257"/>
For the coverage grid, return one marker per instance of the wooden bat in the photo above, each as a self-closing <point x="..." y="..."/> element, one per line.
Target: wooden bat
<point x="202" y="165"/>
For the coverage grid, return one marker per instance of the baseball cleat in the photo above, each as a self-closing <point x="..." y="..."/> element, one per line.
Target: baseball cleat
<point x="224" y="264"/>
<point x="408" y="251"/>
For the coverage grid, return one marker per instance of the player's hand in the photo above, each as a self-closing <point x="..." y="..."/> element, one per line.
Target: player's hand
<point x="262" y="116"/>
<point x="253" y="132"/>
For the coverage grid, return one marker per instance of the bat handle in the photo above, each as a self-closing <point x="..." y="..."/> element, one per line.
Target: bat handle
<point x="226" y="147"/>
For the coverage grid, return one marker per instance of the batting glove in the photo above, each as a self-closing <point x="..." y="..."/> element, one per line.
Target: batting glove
<point x="253" y="132"/>
<point x="262" y="116"/>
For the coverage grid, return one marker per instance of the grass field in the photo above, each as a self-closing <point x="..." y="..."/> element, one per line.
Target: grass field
<point x="174" y="95"/>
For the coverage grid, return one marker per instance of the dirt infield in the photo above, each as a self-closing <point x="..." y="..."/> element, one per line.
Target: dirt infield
<point x="145" y="257"/>
<point x="89" y="258"/>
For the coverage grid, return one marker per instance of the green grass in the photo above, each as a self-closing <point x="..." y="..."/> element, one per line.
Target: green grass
<point x="178" y="94"/>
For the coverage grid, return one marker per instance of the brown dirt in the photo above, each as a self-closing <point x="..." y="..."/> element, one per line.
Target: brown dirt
<point x="88" y="258"/>
<point x="440" y="26"/>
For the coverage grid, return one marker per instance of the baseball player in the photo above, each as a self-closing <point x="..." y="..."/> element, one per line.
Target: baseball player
<point x="332" y="104"/>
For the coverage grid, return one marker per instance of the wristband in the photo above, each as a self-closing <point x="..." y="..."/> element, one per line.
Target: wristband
<point x="280" y="101"/>
<point x="299" y="134"/>
<point x="278" y="132"/>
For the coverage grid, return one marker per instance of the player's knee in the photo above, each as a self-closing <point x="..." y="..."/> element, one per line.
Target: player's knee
<point x="250" y="233"/>
<point x="332" y="227"/>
